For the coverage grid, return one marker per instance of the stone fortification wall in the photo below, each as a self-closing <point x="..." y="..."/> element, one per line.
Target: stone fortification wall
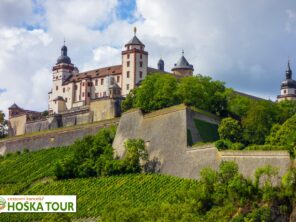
<point x="54" y="138"/>
<point x="165" y="136"/>
<point x="98" y="110"/>
<point x="105" y="109"/>
<point x="17" y="125"/>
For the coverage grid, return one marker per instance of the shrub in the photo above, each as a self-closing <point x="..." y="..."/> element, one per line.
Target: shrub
<point x="227" y="144"/>
<point x="230" y="129"/>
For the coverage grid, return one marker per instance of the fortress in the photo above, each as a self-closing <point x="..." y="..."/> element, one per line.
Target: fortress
<point x="80" y="103"/>
<point x="90" y="96"/>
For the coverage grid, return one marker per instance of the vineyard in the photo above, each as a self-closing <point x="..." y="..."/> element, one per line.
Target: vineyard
<point x="32" y="174"/>
<point x="20" y="170"/>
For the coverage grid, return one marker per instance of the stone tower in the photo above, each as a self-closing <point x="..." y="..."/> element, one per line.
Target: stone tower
<point x="60" y="96"/>
<point x="288" y="86"/>
<point x="182" y="67"/>
<point x="134" y="64"/>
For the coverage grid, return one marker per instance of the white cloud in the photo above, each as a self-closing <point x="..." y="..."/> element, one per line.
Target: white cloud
<point x="244" y="43"/>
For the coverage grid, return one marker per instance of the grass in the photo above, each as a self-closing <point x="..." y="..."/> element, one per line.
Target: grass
<point x="207" y="131"/>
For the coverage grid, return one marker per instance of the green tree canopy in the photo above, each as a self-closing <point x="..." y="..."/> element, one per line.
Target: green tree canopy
<point x="230" y="129"/>
<point x="258" y="121"/>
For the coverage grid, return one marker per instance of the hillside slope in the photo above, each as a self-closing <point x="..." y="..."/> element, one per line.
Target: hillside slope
<point x="32" y="174"/>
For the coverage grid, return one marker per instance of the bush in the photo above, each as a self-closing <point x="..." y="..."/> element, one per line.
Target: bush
<point x="93" y="156"/>
<point x="266" y="147"/>
<point x="227" y="144"/>
<point x="230" y="129"/>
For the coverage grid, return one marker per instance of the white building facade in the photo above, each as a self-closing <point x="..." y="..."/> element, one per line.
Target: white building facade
<point x="73" y="89"/>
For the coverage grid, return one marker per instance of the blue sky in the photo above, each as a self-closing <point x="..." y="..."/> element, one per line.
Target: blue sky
<point x="243" y="43"/>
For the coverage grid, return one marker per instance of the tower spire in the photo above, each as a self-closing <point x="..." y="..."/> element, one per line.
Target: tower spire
<point x="288" y="71"/>
<point x="135" y="30"/>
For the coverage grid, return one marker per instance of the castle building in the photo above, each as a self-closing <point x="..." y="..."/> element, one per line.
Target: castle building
<point x="94" y="95"/>
<point x="182" y="67"/>
<point x="288" y="86"/>
<point x="72" y="89"/>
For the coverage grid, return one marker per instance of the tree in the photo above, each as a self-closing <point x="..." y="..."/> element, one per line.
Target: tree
<point x="3" y="125"/>
<point x="129" y="101"/>
<point x="201" y="92"/>
<point x="2" y="116"/>
<point x="230" y="129"/>
<point x="135" y="152"/>
<point x="286" y="109"/>
<point x="237" y="105"/>
<point x="285" y="134"/>
<point x="258" y="121"/>
<point x="157" y="91"/>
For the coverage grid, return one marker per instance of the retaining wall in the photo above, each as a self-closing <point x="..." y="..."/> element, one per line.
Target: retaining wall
<point x="165" y="136"/>
<point x="53" y="138"/>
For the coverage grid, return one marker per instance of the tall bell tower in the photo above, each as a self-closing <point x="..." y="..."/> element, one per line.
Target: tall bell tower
<point x="59" y="95"/>
<point x="134" y="64"/>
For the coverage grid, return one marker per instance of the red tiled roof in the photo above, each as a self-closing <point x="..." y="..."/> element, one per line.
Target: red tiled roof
<point x="96" y="73"/>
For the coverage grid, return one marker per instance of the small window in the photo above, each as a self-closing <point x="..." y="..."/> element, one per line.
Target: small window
<point x="128" y="56"/>
<point x="118" y="79"/>
<point x="127" y="86"/>
<point x="57" y="88"/>
<point x="141" y="74"/>
<point x="127" y="63"/>
<point x="141" y="47"/>
<point x="128" y="48"/>
<point x="127" y="74"/>
<point x="285" y="91"/>
<point x="64" y="90"/>
<point x="83" y="94"/>
<point x="104" y="94"/>
<point x="66" y="100"/>
<point x="141" y="64"/>
<point x="96" y="82"/>
<point x="83" y="84"/>
<point x="76" y="87"/>
<point x="141" y="56"/>
<point x="102" y="81"/>
<point x="88" y="94"/>
<point x="97" y="95"/>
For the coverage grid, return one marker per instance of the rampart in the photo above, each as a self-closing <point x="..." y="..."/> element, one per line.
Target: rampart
<point x="52" y="138"/>
<point x="165" y="136"/>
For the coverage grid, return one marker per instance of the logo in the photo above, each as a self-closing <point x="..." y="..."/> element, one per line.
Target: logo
<point x="2" y="203"/>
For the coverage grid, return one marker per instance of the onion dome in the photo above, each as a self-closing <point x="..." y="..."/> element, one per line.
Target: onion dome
<point x="160" y="64"/>
<point x="289" y="82"/>
<point x="64" y="58"/>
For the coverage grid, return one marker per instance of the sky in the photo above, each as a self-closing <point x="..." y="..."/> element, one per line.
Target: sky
<point x="245" y="44"/>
